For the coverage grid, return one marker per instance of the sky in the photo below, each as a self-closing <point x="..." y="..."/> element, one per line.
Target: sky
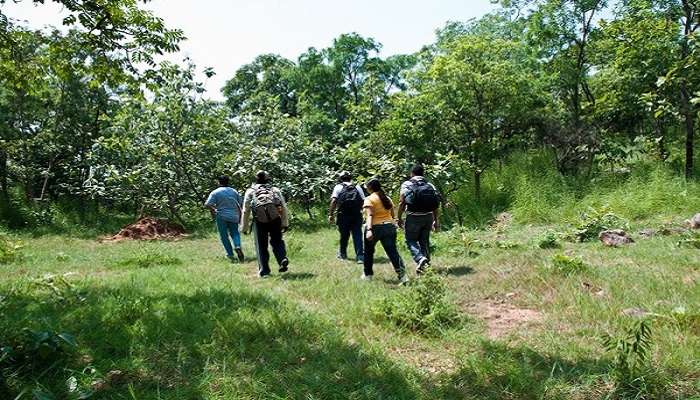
<point x="226" y="34"/>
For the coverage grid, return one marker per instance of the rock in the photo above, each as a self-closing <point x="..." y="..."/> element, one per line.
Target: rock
<point x="115" y="377"/>
<point x="694" y="223"/>
<point x="615" y="238"/>
<point x="647" y="233"/>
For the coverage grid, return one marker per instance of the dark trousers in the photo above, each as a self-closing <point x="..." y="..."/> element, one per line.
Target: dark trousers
<point x="386" y="234"/>
<point x="417" y="231"/>
<point x="271" y="233"/>
<point x="350" y="225"/>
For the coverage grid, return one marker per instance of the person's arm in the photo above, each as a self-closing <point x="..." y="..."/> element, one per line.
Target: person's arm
<point x="246" y="220"/>
<point x="285" y="210"/>
<point x="368" y="230"/>
<point x="331" y="210"/>
<point x="210" y="204"/>
<point x="402" y="208"/>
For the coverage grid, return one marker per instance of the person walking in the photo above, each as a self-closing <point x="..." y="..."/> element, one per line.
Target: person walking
<point x="420" y="201"/>
<point x="265" y="211"/>
<point x="347" y="199"/>
<point x="380" y="228"/>
<point x="224" y="203"/>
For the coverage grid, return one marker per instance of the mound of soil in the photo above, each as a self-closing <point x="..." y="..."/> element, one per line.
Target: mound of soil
<point x="148" y="228"/>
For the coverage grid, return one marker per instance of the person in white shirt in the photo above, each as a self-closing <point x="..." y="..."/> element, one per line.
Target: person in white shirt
<point x="346" y="200"/>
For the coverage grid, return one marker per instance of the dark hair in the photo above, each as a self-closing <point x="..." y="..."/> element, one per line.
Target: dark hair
<point x="224" y="180"/>
<point x="262" y="177"/>
<point x="375" y="186"/>
<point x="345" y="176"/>
<point x="418" y="170"/>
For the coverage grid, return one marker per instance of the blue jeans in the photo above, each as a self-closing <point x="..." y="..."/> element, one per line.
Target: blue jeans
<point x="347" y="225"/>
<point x="227" y="228"/>
<point x="417" y="230"/>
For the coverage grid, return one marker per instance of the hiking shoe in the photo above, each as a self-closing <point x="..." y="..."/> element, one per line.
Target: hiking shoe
<point x="263" y="276"/>
<point x="423" y="265"/>
<point x="239" y="252"/>
<point x="366" y="277"/>
<point x="231" y="259"/>
<point x="341" y="257"/>
<point x="284" y="266"/>
<point x="360" y="260"/>
<point x="403" y="279"/>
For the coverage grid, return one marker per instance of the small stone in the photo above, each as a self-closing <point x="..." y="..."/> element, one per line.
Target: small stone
<point x="647" y="233"/>
<point x="115" y="377"/>
<point x="615" y="238"/>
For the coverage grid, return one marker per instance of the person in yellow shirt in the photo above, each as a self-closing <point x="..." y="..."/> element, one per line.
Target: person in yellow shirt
<point x="380" y="227"/>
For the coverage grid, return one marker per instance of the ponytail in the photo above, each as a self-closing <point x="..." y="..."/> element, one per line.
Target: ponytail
<point x="376" y="186"/>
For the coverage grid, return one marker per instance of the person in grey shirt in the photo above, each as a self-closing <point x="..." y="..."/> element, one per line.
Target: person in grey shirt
<point x="420" y="201"/>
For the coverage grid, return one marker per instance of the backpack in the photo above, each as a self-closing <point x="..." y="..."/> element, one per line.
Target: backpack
<point x="422" y="197"/>
<point x="349" y="200"/>
<point x="265" y="205"/>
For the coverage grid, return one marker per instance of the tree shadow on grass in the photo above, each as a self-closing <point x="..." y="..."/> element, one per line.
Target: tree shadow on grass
<point x="456" y="271"/>
<point x="235" y="344"/>
<point x="497" y="371"/>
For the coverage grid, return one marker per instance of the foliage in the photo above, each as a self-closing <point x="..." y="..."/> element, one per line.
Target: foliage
<point x="550" y="240"/>
<point x="594" y="221"/>
<point x="423" y="306"/>
<point x="567" y="265"/>
<point x="630" y="352"/>
<point x="146" y="258"/>
<point x="37" y="350"/>
<point x="9" y="249"/>
<point x="690" y="240"/>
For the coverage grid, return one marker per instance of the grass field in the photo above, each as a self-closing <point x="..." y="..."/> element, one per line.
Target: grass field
<point x="178" y="321"/>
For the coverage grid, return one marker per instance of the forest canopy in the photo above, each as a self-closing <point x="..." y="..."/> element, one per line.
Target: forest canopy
<point x="573" y="90"/>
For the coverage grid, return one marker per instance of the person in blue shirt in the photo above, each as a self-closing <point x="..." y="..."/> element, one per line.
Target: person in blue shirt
<point x="225" y="206"/>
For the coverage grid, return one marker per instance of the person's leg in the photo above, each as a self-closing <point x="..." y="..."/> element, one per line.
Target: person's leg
<point x="278" y="247"/>
<point x="412" y="233"/>
<point x="369" y="256"/>
<point x="236" y="236"/>
<point x="223" y="235"/>
<point x="388" y="239"/>
<point x="261" y="238"/>
<point x="424" y="237"/>
<point x="357" y="240"/>
<point x="344" y="230"/>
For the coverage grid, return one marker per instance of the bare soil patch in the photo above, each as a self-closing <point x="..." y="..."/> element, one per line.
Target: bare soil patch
<point x="502" y="318"/>
<point x="149" y="228"/>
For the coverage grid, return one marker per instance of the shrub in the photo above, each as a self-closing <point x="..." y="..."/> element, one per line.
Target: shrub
<point x="690" y="240"/>
<point x="549" y="240"/>
<point x="422" y="307"/>
<point x="629" y="368"/>
<point x="9" y="249"/>
<point x="568" y="265"/>
<point x="595" y="221"/>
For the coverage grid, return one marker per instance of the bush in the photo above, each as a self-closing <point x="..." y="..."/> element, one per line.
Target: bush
<point x="549" y="240"/>
<point x="629" y="368"/>
<point x="422" y="307"/>
<point x="9" y="249"/>
<point x="566" y="265"/>
<point x="595" y="221"/>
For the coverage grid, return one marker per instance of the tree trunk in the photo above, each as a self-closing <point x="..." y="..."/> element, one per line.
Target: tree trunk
<point x="689" y="136"/>
<point x="3" y="175"/>
<point x="477" y="185"/>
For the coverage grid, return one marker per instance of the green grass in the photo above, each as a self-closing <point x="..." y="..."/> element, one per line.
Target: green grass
<point x="181" y="322"/>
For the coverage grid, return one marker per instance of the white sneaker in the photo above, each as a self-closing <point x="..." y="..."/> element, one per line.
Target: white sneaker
<point x="403" y="280"/>
<point x="366" y="277"/>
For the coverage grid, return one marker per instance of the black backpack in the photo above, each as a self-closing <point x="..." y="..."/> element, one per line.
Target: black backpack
<point x="349" y="200"/>
<point x="422" y="197"/>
